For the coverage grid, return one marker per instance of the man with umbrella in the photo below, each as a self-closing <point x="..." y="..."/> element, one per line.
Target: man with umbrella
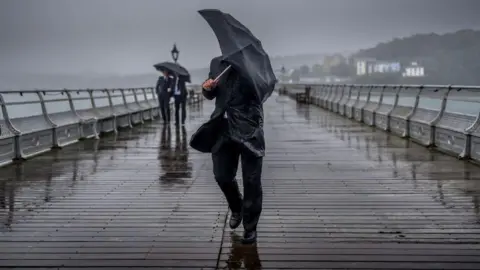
<point x="168" y="87"/>
<point x="180" y="98"/>
<point x="163" y="89"/>
<point x="240" y="81"/>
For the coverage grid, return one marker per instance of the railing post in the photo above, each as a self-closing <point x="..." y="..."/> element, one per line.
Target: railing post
<point x="408" y="118"/>
<point x="343" y="110"/>
<point x="395" y="103"/>
<point x="130" y="122"/>
<point x="49" y="121"/>
<point x="332" y="97"/>
<point x="134" y="91"/>
<point x="349" y="110"/>
<point x="6" y="117"/>
<point x="329" y="90"/>
<point x="92" y="100"/>
<point x="468" y="131"/>
<point x="318" y="94"/>
<point x="94" y="108"/>
<point x="154" y="95"/>
<point x="336" y="105"/>
<point x="437" y="118"/>
<point x="362" y="112"/>
<point x="70" y="102"/>
<point x="112" y="110"/>
<point x="357" y="100"/>
<point x="152" y="117"/>
<point x="17" y="147"/>
<point x="155" y="101"/>
<point x="72" y="108"/>
<point x="379" y="104"/>
<point x="323" y="92"/>
<point x="327" y="97"/>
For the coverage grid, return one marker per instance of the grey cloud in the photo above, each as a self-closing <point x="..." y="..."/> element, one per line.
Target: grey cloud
<point x="128" y="36"/>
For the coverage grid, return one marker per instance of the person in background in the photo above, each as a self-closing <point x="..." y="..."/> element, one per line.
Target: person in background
<point x="163" y="89"/>
<point x="180" y="98"/>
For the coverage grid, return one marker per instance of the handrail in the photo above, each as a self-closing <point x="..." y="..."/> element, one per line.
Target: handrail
<point x="446" y="117"/>
<point x="34" y="121"/>
<point x="382" y="85"/>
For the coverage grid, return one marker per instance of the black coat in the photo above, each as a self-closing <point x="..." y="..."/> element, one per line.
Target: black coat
<point x="163" y="83"/>
<point x="244" y="114"/>
<point x="182" y="86"/>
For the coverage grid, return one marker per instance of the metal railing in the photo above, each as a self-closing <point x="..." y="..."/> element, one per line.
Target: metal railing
<point x="446" y="117"/>
<point x="33" y="122"/>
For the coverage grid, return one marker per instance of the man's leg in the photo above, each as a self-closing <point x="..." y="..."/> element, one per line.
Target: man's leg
<point x="177" y="110"/>
<point x="3" y="191"/>
<point x="253" y="195"/>
<point x="167" y="109"/>
<point x="184" y="110"/>
<point x="225" y="164"/>
<point x="162" y="108"/>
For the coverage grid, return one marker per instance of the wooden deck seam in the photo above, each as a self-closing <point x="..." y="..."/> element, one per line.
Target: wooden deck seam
<point x="220" y="250"/>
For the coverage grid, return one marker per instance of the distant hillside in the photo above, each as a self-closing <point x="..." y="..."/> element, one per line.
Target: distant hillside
<point x="295" y="61"/>
<point x="291" y="61"/>
<point x="452" y="58"/>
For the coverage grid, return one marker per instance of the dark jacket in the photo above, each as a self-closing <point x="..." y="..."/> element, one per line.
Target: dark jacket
<point x="163" y="83"/>
<point x="244" y="114"/>
<point x="182" y="86"/>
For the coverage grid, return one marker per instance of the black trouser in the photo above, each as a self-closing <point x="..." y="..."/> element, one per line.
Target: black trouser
<point x="180" y="104"/>
<point x="225" y="164"/>
<point x="164" y="102"/>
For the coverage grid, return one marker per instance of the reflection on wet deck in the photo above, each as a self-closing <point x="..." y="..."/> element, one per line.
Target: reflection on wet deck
<point x="337" y="195"/>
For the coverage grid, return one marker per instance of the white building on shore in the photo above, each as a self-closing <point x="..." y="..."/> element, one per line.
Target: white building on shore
<point x="369" y="66"/>
<point x="414" y="70"/>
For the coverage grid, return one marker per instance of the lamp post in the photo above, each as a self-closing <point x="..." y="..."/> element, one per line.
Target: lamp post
<point x="175" y="53"/>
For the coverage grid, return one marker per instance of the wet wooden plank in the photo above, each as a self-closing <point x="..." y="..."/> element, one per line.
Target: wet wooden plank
<point x="337" y="195"/>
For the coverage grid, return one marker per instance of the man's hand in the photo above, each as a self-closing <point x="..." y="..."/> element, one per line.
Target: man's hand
<point x="209" y="84"/>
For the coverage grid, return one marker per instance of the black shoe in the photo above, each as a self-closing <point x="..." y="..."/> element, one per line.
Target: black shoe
<point x="235" y="220"/>
<point x="249" y="237"/>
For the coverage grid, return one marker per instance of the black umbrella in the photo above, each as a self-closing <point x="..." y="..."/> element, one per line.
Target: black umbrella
<point x="173" y="68"/>
<point x="243" y="51"/>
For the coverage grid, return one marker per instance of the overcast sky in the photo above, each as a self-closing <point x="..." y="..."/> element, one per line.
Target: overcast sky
<point x="128" y="36"/>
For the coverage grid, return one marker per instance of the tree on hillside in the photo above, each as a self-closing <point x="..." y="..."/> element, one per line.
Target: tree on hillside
<point x="422" y="45"/>
<point x="452" y="58"/>
<point x="342" y="70"/>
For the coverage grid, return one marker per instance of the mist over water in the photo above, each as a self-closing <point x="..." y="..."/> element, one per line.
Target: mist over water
<point x="114" y="43"/>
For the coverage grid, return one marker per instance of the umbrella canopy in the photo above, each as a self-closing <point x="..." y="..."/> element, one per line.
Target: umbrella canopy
<point x="173" y="68"/>
<point x="243" y="51"/>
